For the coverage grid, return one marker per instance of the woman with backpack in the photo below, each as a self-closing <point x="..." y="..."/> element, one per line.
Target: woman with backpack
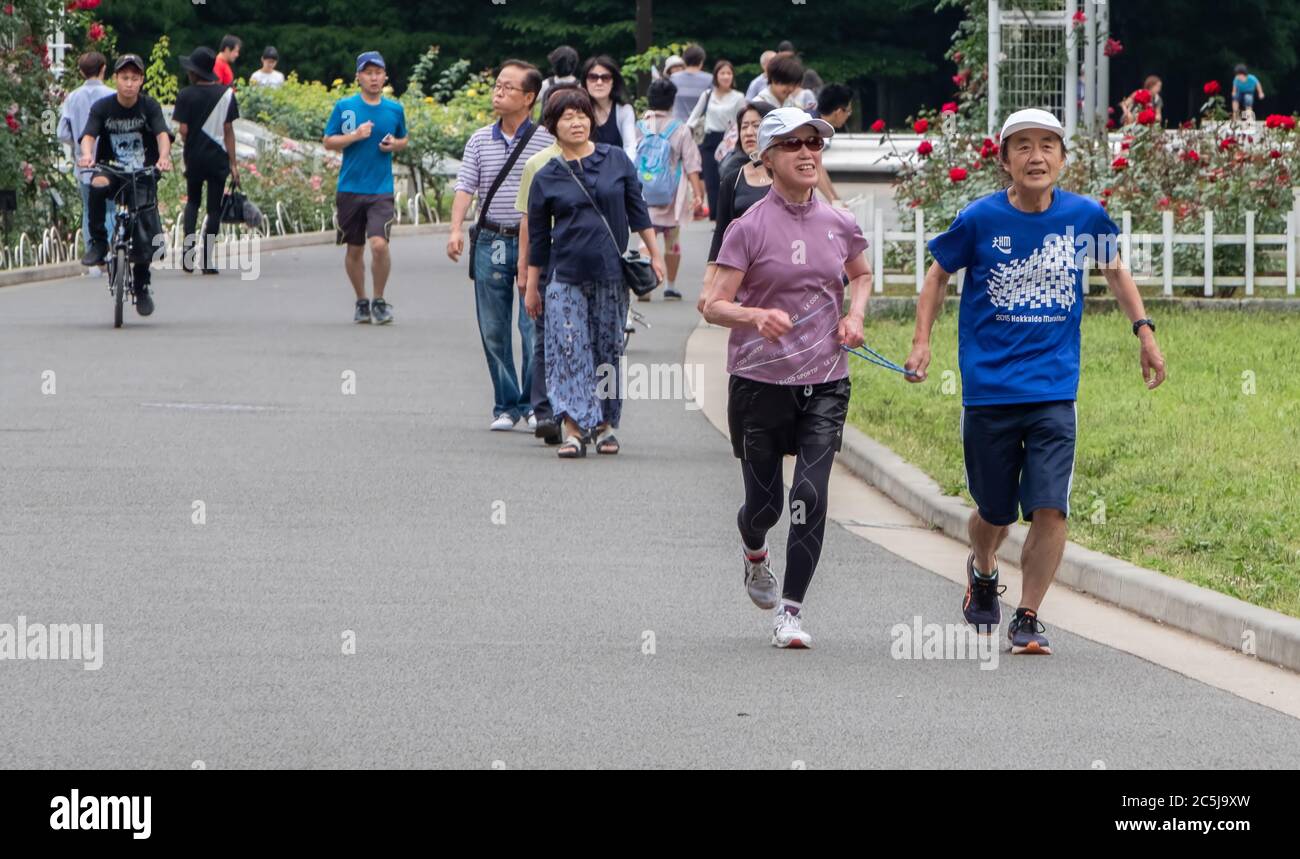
<point x="581" y="206"/>
<point x="709" y="121"/>
<point x="666" y="151"/>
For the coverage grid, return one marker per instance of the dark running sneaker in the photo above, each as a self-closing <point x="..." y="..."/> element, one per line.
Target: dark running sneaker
<point x="363" y="311"/>
<point x="143" y="300"/>
<point x="671" y="294"/>
<point x="1026" y="634"/>
<point x="96" y="252"/>
<point x="380" y="312"/>
<point x="980" y="606"/>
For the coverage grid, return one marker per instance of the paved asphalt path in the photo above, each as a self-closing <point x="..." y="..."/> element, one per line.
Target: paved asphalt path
<point x="476" y="642"/>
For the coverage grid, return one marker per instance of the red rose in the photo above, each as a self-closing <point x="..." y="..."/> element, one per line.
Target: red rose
<point x="11" y="122"/>
<point x="1125" y="146"/>
<point x="978" y="165"/>
<point x="957" y="174"/>
<point x="921" y="126"/>
<point x="1147" y="117"/>
<point x="1164" y="203"/>
<point x="924" y="149"/>
<point x="950" y="107"/>
<point x="878" y="126"/>
<point x="9" y="8"/>
<point x="1110" y="125"/>
<point x="1107" y="192"/>
<point x="1275" y="154"/>
<point x="1119" y="163"/>
<point x="1142" y="97"/>
<point x="1188" y="125"/>
<point x="96" y="32"/>
<point x="988" y="150"/>
<point x="1114" y="47"/>
<point x="1227" y="143"/>
<point x="1080" y="17"/>
<point x="1191" y="155"/>
<point x="1211" y="88"/>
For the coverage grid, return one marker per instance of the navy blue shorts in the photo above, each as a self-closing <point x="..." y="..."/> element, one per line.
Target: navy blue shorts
<point x="1019" y="456"/>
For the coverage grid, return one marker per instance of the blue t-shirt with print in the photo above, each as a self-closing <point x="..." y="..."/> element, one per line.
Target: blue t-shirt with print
<point x="366" y="169"/>
<point x="1249" y="85"/>
<point x="1022" y="300"/>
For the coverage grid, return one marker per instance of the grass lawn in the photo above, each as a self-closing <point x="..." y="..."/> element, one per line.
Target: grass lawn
<point x="1199" y="479"/>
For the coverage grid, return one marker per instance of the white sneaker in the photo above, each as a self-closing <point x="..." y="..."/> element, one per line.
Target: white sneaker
<point x="503" y="423"/>
<point x="787" y="631"/>
<point x="532" y="423"/>
<point x="759" y="581"/>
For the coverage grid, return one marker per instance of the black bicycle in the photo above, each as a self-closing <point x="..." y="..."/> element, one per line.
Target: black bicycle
<point x="138" y="191"/>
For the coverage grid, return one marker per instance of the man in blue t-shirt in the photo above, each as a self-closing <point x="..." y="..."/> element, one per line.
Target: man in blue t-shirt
<point x="367" y="128"/>
<point x="1245" y="89"/>
<point x="1026" y="250"/>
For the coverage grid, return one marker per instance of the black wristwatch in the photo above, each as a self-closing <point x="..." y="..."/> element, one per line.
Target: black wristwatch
<point x="1137" y="326"/>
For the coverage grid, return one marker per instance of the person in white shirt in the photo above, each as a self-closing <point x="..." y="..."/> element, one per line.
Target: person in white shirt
<point x="267" y="75"/>
<point x="714" y="113"/>
<point x="72" y="122"/>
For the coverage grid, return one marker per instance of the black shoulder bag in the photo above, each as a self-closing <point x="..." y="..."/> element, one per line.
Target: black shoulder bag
<point x="492" y="192"/>
<point x="638" y="274"/>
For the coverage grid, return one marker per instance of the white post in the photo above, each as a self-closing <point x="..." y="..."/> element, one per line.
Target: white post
<point x="1168" y="225"/>
<point x="961" y="280"/>
<point x="1290" y="252"/>
<point x="1250" y="253"/>
<point x="995" y="59"/>
<point x="1126" y="237"/>
<point x="878" y="251"/>
<point x="1071" y="82"/>
<point x="920" y="250"/>
<point x="1090" y="66"/>
<point x="1209" y="253"/>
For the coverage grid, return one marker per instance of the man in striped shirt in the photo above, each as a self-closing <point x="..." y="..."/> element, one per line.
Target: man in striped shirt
<point x="495" y="237"/>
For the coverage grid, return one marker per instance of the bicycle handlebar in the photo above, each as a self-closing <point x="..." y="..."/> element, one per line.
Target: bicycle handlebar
<point x="119" y="169"/>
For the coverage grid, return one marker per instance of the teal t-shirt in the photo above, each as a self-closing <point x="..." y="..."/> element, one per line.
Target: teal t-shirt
<point x="1246" y="86"/>
<point x="367" y="170"/>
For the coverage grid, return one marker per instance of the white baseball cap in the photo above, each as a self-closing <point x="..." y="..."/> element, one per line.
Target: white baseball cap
<point x="1032" y="118"/>
<point x="784" y="120"/>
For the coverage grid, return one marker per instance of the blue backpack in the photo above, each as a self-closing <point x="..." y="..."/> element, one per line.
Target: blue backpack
<point x="653" y="155"/>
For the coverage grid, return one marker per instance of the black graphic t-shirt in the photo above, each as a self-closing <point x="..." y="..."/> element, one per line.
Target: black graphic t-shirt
<point x="128" y="135"/>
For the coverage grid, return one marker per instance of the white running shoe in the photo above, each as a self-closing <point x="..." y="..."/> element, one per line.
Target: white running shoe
<point x="787" y="631"/>
<point x="532" y="423"/>
<point x="503" y="423"/>
<point x="759" y="581"/>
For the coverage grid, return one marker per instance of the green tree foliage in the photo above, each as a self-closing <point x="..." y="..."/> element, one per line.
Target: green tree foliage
<point x="159" y="82"/>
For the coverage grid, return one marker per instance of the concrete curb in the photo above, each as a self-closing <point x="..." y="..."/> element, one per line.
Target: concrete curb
<point x="62" y="270"/>
<point x="1202" y="612"/>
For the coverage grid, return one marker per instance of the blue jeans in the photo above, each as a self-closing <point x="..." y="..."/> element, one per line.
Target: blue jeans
<point x="109" y="219"/>
<point x="496" y="258"/>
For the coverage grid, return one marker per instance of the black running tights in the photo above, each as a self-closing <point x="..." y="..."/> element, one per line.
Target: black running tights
<point x="808" y="502"/>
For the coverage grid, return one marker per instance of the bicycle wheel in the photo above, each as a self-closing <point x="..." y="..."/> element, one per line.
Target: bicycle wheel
<point x="118" y="268"/>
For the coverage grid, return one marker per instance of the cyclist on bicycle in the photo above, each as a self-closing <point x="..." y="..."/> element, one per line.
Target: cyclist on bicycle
<point x="132" y="131"/>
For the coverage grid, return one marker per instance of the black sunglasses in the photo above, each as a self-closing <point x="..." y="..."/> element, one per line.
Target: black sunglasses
<point x="599" y="77"/>
<point x="794" y="144"/>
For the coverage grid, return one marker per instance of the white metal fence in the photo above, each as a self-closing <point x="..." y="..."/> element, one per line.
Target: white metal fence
<point x="1139" y="250"/>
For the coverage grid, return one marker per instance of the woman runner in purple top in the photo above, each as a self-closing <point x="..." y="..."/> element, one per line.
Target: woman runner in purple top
<point x="778" y="289"/>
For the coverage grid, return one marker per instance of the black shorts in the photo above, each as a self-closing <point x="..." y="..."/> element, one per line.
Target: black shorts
<point x="363" y="216"/>
<point x="769" y="421"/>
<point x="1019" y="456"/>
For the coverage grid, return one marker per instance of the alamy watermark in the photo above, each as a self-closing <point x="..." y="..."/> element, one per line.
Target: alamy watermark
<point x="75" y="642"/>
<point x="638" y="381"/>
<point x="935" y="641"/>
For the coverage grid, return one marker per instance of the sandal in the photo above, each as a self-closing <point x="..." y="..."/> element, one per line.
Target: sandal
<point x="607" y="443"/>
<point x="573" y="448"/>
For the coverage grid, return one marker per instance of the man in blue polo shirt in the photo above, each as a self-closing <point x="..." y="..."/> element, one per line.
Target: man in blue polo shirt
<point x="367" y="128"/>
<point x="1026" y="251"/>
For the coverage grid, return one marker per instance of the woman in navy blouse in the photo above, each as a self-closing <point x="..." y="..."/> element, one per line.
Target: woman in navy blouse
<point x="586" y="300"/>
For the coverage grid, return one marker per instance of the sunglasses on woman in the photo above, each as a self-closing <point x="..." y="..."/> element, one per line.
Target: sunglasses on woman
<point x="794" y="144"/>
<point x="599" y="77"/>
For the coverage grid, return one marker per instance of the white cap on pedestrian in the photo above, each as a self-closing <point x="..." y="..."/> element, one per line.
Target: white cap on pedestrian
<point x="1022" y="120"/>
<point x="784" y="120"/>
